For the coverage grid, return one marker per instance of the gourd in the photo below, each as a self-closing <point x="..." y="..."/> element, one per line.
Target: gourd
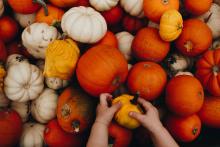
<point x="133" y="7"/>
<point x="103" y="5"/>
<point x="1" y="8"/>
<point x="23" y="109"/>
<point x="56" y="83"/>
<point x="43" y="109"/>
<point x="25" y="19"/>
<point x="15" y="59"/>
<point x="37" y="37"/>
<point x="92" y="32"/>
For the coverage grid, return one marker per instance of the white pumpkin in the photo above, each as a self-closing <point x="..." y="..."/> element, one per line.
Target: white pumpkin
<point x="25" y="19"/>
<point x="23" y="82"/>
<point x="180" y="73"/>
<point x="15" y="59"/>
<point x="84" y="24"/>
<point x="43" y="109"/>
<point x="37" y="37"/>
<point x="153" y="25"/>
<point x="23" y="109"/>
<point x="32" y="135"/>
<point x="212" y="19"/>
<point x="133" y="7"/>
<point x="56" y="83"/>
<point x="216" y="44"/>
<point x="1" y="7"/>
<point x="103" y="5"/>
<point x="124" y="44"/>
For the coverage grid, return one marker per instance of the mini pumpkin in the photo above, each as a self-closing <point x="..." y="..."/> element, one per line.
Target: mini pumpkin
<point x="25" y="19"/>
<point x="43" y="109"/>
<point x="196" y="7"/>
<point x="133" y="7"/>
<point x="92" y="32"/>
<point x="180" y="73"/>
<point x="2" y="8"/>
<point x="23" y="109"/>
<point x="15" y="59"/>
<point x="103" y="5"/>
<point x="56" y="83"/>
<point x="23" y="82"/>
<point x="37" y="37"/>
<point x="129" y="103"/>
<point x="171" y="25"/>
<point x="32" y="135"/>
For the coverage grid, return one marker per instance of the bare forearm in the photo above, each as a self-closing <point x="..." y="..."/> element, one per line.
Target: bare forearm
<point x="98" y="136"/>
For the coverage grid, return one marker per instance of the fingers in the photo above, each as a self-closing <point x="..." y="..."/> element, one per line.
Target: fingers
<point x="137" y="116"/>
<point x="115" y="107"/>
<point x="147" y="105"/>
<point x="104" y="98"/>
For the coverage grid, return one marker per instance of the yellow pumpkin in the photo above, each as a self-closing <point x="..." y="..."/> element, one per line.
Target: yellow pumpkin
<point x="128" y="105"/>
<point x="171" y="25"/>
<point x="61" y="59"/>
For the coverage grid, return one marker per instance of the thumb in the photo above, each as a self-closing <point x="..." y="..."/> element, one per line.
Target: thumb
<point x="115" y="107"/>
<point x="136" y="116"/>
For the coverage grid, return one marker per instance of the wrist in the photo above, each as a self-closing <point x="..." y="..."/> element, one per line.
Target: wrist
<point x="101" y="122"/>
<point x="156" y="128"/>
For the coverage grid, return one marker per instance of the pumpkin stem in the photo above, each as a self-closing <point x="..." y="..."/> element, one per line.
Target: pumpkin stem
<point x="189" y="46"/>
<point x="194" y="131"/>
<point x="215" y="70"/>
<point x="43" y="4"/>
<point x="56" y="24"/>
<point x="134" y="100"/>
<point x="207" y="19"/>
<point x="116" y="81"/>
<point x="75" y="126"/>
<point x="165" y="2"/>
<point x="65" y="111"/>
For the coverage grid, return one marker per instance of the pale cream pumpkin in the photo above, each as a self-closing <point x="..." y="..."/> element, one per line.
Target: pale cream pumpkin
<point x="180" y="73"/>
<point x="23" y="82"/>
<point x="124" y="44"/>
<point x="25" y="19"/>
<point x="15" y="59"/>
<point x="56" y="83"/>
<point x="23" y="109"/>
<point x="37" y="37"/>
<point x="1" y="7"/>
<point x="84" y="24"/>
<point x="133" y="7"/>
<point x="103" y="5"/>
<point x="32" y="135"/>
<point x="43" y="109"/>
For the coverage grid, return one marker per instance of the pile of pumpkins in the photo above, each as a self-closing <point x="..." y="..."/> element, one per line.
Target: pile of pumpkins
<point x="56" y="58"/>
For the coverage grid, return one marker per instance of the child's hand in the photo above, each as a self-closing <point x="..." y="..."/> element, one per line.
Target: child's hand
<point x="104" y="114"/>
<point x="150" y="120"/>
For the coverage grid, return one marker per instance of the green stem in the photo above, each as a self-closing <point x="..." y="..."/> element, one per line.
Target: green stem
<point x="134" y="100"/>
<point x="43" y="4"/>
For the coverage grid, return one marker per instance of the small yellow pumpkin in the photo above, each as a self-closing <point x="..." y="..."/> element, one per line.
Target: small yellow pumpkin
<point x="128" y="104"/>
<point x="171" y="25"/>
<point x="61" y="59"/>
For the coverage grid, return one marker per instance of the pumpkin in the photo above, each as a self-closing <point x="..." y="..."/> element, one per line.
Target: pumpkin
<point x="54" y="135"/>
<point x="92" y="32"/>
<point x="15" y="59"/>
<point x="23" y="82"/>
<point x="129" y="103"/>
<point x="37" y="37"/>
<point x="11" y="127"/>
<point x="184" y="95"/>
<point x="154" y="9"/>
<point x="3" y="51"/>
<point x="26" y="6"/>
<point x="8" y="29"/>
<point x="208" y="71"/>
<point x="25" y="19"/>
<point x="4" y="102"/>
<point x="180" y="73"/>
<point x="196" y="7"/>
<point x="133" y="7"/>
<point x="64" y="3"/>
<point x="184" y="129"/>
<point x="124" y="44"/>
<point x="2" y="8"/>
<point x="211" y="18"/>
<point x="210" y="112"/>
<point x="103" y="5"/>
<point x="61" y="63"/>
<point x="75" y="110"/>
<point x="195" y="38"/>
<point x="148" y="79"/>
<point x="113" y="16"/>
<point x="118" y="133"/>
<point x="153" y="25"/>
<point x="82" y="3"/>
<point x="109" y="39"/>
<point x="32" y="135"/>
<point x="107" y="71"/>
<point x="22" y="109"/>
<point x="171" y="25"/>
<point x="54" y="15"/>
<point x="56" y="83"/>
<point x="148" y="46"/>
<point x="43" y="109"/>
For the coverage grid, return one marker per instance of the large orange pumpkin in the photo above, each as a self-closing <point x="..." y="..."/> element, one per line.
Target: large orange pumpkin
<point x="64" y="3"/>
<point x="101" y="69"/>
<point x="184" y="95"/>
<point x="75" y="110"/>
<point x="208" y="71"/>
<point x="210" y="112"/>
<point x="154" y="9"/>
<point x="54" y="15"/>
<point x="148" y="46"/>
<point x="195" y="38"/>
<point x="197" y="7"/>
<point x="184" y="129"/>
<point x="109" y="39"/>
<point x="148" y="79"/>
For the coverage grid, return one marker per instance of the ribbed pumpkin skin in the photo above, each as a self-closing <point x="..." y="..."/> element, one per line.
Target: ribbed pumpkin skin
<point x="64" y="3"/>
<point x="101" y="69"/>
<point x="197" y="7"/>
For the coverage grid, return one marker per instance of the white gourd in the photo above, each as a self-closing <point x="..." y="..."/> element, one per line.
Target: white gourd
<point x="103" y="5"/>
<point x="133" y="7"/>
<point x="23" y="109"/>
<point x="56" y="83"/>
<point x="15" y="59"/>
<point x="25" y="19"/>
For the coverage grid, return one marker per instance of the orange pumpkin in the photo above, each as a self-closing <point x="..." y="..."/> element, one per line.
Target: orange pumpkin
<point x="75" y="110"/>
<point x="109" y="39"/>
<point x="195" y="39"/>
<point x="184" y="129"/>
<point x="64" y="3"/>
<point x="208" y="71"/>
<point x="148" y="46"/>
<point x="154" y="9"/>
<point x="148" y="79"/>
<point x="101" y="69"/>
<point x="197" y="7"/>
<point x="54" y="15"/>
<point x="210" y="112"/>
<point x="184" y="95"/>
